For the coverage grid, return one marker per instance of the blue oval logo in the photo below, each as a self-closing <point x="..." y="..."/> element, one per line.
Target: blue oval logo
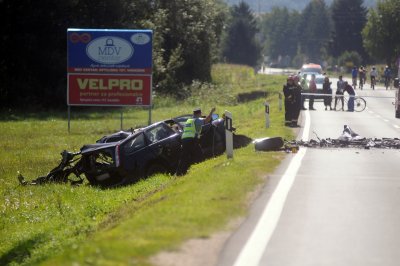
<point x="109" y="50"/>
<point x="140" y="38"/>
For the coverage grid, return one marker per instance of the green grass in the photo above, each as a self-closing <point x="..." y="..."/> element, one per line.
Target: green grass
<point x="57" y="224"/>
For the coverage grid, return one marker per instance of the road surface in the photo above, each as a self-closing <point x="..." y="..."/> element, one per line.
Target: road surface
<point x="333" y="206"/>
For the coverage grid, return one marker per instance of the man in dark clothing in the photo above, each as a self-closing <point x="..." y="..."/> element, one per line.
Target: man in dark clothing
<point x="292" y="95"/>
<point x="349" y="89"/>
<point x="299" y="100"/>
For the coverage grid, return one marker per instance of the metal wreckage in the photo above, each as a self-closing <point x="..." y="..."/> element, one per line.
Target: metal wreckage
<point x="125" y="157"/>
<point x="348" y="139"/>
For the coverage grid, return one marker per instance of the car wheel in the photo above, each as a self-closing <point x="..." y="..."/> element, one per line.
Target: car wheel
<point x="269" y="144"/>
<point x="397" y="114"/>
<point x="156" y="168"/>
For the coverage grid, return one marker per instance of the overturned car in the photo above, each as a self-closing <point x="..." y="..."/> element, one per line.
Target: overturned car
<point x="127" y="156"/>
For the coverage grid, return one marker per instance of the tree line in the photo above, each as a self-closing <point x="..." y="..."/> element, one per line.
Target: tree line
<point x="188" y="37"/>
<point x="345" y="33"/>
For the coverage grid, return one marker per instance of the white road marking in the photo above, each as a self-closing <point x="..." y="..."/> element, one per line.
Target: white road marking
<point x="371" y="112"/>
<point x="255" y="246"/>
<point x="396" y="126"/>
<point x="385" y="120"/>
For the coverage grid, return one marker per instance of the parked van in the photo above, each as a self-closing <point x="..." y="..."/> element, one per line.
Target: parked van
<point x="311" y="68"/>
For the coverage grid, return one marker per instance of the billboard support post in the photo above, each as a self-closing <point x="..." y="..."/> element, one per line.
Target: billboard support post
<point x="69" y="119"/>
<point x="122" y="118"/>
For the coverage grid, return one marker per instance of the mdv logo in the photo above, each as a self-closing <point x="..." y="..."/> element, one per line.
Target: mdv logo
<point x="109" y="50"/>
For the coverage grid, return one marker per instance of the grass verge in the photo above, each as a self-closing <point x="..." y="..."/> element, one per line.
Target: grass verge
<point x="58" y="224"/>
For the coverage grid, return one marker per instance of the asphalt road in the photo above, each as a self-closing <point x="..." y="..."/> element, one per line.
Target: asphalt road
<point x="333" y="206"/>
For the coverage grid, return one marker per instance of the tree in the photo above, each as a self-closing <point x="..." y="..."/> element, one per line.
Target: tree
<point x="349" y="59"/>
<point x="381" y="34"/>
<point x="349" y="18"/>
<point x="315" y="28"/>
<point x="33" y="34"/>
<point x="241" y="46"/>
<point x="189" y="37"/>
<point x="33" y="41"/>
<point x="280" y="32"/>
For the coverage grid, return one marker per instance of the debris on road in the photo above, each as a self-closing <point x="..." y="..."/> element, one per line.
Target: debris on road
<point x="348" y="139"/>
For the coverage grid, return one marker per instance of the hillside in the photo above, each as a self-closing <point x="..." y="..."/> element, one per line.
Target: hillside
<point x="266" y="5"/>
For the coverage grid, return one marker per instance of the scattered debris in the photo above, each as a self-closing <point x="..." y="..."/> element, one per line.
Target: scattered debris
<point x="348" y="139"/>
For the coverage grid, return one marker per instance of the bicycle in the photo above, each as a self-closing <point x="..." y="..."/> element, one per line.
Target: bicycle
<point x="387" y="82"/>
<point x="359" y="103"/>
<point x="373" y="80"/>
<point x="361" y="83"/>
<point x="355" y="83"/>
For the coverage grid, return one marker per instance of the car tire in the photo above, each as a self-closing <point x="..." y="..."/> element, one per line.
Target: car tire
<point x="269" y="144"/>
<point x="155" y="168"/>
<point x="397" y="115"/>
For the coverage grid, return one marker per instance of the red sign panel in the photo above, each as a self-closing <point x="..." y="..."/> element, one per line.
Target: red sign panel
<point x="109" y="90"/>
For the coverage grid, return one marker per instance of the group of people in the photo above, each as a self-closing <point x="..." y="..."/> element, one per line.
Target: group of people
<point x="361" y="75"/>
<point x="294" y="98"/>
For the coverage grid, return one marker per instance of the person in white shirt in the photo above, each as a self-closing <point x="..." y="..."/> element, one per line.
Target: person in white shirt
<point x="373" y="75"/>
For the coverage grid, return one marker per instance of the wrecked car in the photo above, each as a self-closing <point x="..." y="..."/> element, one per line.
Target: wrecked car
<point x="127" y="156"/>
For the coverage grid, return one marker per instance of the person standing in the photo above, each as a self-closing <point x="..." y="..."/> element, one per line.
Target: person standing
<point x="387" y="73"/>
<point x="298" y="101"/>
<point x="304" y="87"/>
<point x="354" y="74"/>
<point x="326" y="89"/>
<point x="191" y="150"/>
<point x="339" y="92"/>
<point x="313" y="89"/>
<point x="349" y="89"/>
<point x="361" y="77"/>
<point x="290" y="92"/>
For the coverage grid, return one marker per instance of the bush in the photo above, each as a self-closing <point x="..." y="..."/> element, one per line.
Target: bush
<point x="350" y="59"/>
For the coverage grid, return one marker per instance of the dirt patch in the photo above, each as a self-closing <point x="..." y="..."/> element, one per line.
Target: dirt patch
<point x="250" y="96"/>
<point x="195" y="252"/>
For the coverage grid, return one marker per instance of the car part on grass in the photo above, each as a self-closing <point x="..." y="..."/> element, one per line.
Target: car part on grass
<point x="60" y="174"/>
<point x="269" y="144"/>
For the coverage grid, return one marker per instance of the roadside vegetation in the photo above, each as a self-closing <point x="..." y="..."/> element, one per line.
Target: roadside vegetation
<point x="58" y="224"/>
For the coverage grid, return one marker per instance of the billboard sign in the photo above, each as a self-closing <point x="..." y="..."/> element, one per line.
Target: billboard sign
<point x="111" y="90"/>
<point x="109" y="67"/>
<point x="109" y="51"/>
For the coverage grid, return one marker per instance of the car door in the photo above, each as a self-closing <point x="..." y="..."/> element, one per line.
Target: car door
<point x="135" y="154"/>
<point x="164" y="144"/>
